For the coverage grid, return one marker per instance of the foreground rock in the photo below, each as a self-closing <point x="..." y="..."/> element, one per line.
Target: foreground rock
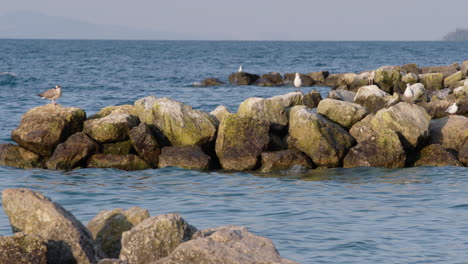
<point x="243" y="78"/>
<point x="341" y="112"/>
<point x="128" y="162"/>
<point x="284" y="160"/>
<point x="42" y="128"/>
<point x="154" y="238"/>
<point x="240" y="142"/>
<point x="451" y="132"/>
<point x="324" y="142"/>
<point x="145" y="144"/>
<point x="312" y="99"/>
<point x="230" y="244"/>
<point x="111" y="128"/>
<point x="23" y="248"/>
<point x="186" y="157"/>
<point x="436" y="155"/>
<point x="68" y="241"/>
<point x="73" y="152"/>
<point x="107" y="228"/>
<point x="374" y="99"/>
<point x="16" y="156"/>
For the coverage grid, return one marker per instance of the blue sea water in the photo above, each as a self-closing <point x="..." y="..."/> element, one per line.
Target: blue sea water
<point x="362" y="215"/>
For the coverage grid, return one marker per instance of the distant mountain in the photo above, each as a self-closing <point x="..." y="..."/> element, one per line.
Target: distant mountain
<point x="25" y="24"/>
<point x="460" y="34"/>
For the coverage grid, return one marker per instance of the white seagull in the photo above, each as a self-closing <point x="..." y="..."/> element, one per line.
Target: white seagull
<point x="297" y="81"/>
<point x="408" y="92"/>
<point x="452" y="109"/>
<point x="240" y="68"/>
<point x="52" y="94"/>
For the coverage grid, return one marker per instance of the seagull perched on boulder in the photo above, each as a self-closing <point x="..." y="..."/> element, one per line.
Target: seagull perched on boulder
<point x="52" y="94"/>
<point x="408" y="92"/>
<point x="297" y="81"/>
<point x="452" y="109"/>
<point x="240" y="68"/>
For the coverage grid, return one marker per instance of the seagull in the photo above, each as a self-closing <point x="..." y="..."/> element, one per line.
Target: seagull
<point x="297" y="81"/>
<point x="408" y="92"/>
<point x="52" y="94"/>
<point x="240" y="68"/>
<point x="370" y="78"/>
<point x="452" y="109"/>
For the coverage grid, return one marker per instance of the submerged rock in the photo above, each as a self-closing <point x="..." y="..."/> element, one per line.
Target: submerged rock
<point x="451" y="131"/>
<point x="284" y="159"/>
<point x="271" y="79"/>
<point x="23" y="248"/>
<point x="436" y="155"/>
<point x="128" y="162"/>
<point x="243" y="78"/>
<point x="341" y="112"/>
<point x="306" y="80"/>
<point x="186" y="157"/>
<point x="211" y="82"/>
<point x="111" y="128"/>
<point x="16" y="156"/>
<point x="145" y="144"/>
<point x="42" y="128"/>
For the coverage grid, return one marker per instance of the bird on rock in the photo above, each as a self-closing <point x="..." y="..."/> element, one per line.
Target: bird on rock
<point x="240" y="69"/>
<point x="52" y="94"/>
<point x="452" y="109"/>
<point x="297" y="81"/>
<point x="408" y="92"/>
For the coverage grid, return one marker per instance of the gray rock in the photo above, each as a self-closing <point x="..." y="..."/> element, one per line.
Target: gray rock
<point x="451" y="131"/>
<point x="343" y="95"/>
<point x="341" y="112"/>
<point x="23" y="248"/>
<point x="374" y="99"/>
<point x="186" y="157"/>
<point x="16" y="156"/>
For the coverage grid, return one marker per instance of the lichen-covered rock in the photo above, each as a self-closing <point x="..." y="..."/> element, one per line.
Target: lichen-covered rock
<point x="312" y="99"/>
<point x="128" y="162"/>
<point x="240" y="141"/>
<point x="453" y="80"/>
<point x="410" y="78"/>
<point x="145" y="144"/>
<point x="463" y="153"/>
<point x="306" y="80"/>
<point x="409" y="120"/>
<point x="111" y="128"/>
<point x="436" y="155"/>
<point x="43" y="128"/>
<point x="228" y="244"/>
<point x="444" y="70"/>
<point x="284" y="159"/>
<point x="211" y="82"/>
<point x="362" y="130"/>
<point x="362" y="79"/>
<point x="374" y="99"/>
<point x="243" y="78"/>
<point x="318" y="77"/>
<point x="387" y="78"/>
<point x="154" y="238"/>
<point x="23" y="248"/>
<point x="219" y="113"/>
<point x="271" y="79"/>
<point x="16" y="156"/>
<point x="73" y="152"/>
<point x="341" y="112"/>
<point x="346" y="79"/>
<point x="107" y="228"/>
<point x="186" y="157"/>
<point x="323" y="141"/>
<point x="451" y="131"/>
<point x="114" y="109"/>
<point x="410" y="68"/>
<point x="383" y="149"/>
<point x="271" y="110"/>
<point x="332" y="79"/>
<point x="118" y="148"/>
<point x="464" y="68"/>
<point x="343" y="95"/>
<point x="68" y="241"/>
<point x="461" y="92"/>
<point x="419" y="93"/>
<point x="432" y="81"/>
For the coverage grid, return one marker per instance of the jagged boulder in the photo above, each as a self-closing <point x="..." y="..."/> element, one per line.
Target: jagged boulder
<point x="342" y="95"/>
<point x="271" y="79"/>
<point x="284" y="159"/>
<point x="374" y="99"/>
<point x="451" y="131"/>
<point x="362" y="130"/>
<point x="68" y="241"/>
<point x="154" y="238"/>
<point x="387" y="78"/>
<point x="219" y="113"/>
<point x="111" y="128"/>
<point x="323" y="141"/>
<point x="410" y="78"/>
<point x="306" y="80"/>
<point x="383" y="149"/>
<point x="73" y="152"/>
<point x="145" y="144"/>
<point x="42" y="128"/>
<point x="118" y="148"/>
<point x="16" y="156"/>
<point x="243" y="78"/>
<point x="453" y="80"/>
<point x="23" y="248"/>
<point x="312" y="99"/>
<point x="107" y="227"/>
<point x="114" y="109"/>
<point x="186" y="157"/>
<point x="241" y="140"/>
<point x="432" y="81"/>
<point x="319" y="77"/>
<point x="410" y="68"/>
<point x="271" y="110"/>
<point x="341" y="112"/>
<point x="444" y="70"/>
<point x="436" y="155"/>
<point x="228" y="244"/>
<point x="128" y="162"/>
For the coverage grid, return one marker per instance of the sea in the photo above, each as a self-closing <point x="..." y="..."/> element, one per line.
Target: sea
<point x="361" y="215"/>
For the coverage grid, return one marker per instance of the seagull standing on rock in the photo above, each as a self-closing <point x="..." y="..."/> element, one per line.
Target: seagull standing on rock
<point x="452" y="109"/>
<point x="408" y="92"/>
<point x="52" y="94"/>
<point x="297" y="81"/>
<point x="240" y="68"/>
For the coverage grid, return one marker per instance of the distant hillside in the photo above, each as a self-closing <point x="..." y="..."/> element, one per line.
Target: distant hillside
<point x="460" y="34"/>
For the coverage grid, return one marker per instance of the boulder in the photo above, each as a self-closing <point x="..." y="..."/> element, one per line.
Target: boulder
<point x="68" y="241"/>
<point x="341" y="112"/>
<point x="436" y="107"/>
<point x="306" y="80"/>
<point x="342" y="95"/>
<point x="112" y="261"/>
<point x="243" y="78"/>
<point x="312" y="99"/>
<point x="241" y="140"/>
<point x="284" y="159"/>
<point x="464" y="68"/>
<point x="463" y="153"/>
<point x="409" y="121"/>
<point x="219" y="113"/>
<point x="346" y="79"/>
<point x="107" y="227"/>
<point x="145" y="144"/>
<point x="23" y="248"/>
<point x="271" y="110"/>
<point x="387" y="78"/>
<point x="432" y="81"/>
<point x="419" y="93"/>
<point x="186" y="157"/>
<point x="42" y="128"/>
<point x="16" y="156"/>
<point x="436" y="155"/>
<point x="128" y="162"/>
<point x="440" y="94"/>
<point x="180" y="123"/>
<point x="118" y="148"/>
<point x="228" y="244"/>
<point x="461" y="92"/>
<point x="450" y="131"/>
<point x="362" y="79"/>
<point x="271" y="79"/>
<point x="318" y="77"/>
<point x="374" y="99"/>
<point x="73" y="152"/>
<point x="362" y="130"/>
<point x="411" y="68"/>
<point x="111" y="128"/>
<point x="211" y="82"/>
<point x="383" y="149"/>
<point x="323" y="141"/>
<point x="154" y="238"/>
<point x="114" y="109"/>
<point x="332" y="80"/>
<point x="453" y="80"/>
<point x="410" y="78"/>
<point x="445" y="70"/>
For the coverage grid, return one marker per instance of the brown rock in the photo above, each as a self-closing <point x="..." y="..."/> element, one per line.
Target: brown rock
<point x="23" y="248"/>
<point x="451" y="131"/>
<point x="445" y="70"/>
<point x="284" y="159"/>
<point x="271" y="79"/>
<point x="16" y="156"/>
<point x="319" y="77"/>
<point x="186" y="157"/>
<point x="243" y="78"/>
<point x="312" y="99"/>
<point x="118" y="148"/>
<point x="145" y="144"/>
<point x="211" y="82"/>
<point x="306" y="80"/>
<point x="128" y="162"/>
<point x="411" y="68"/>
<point x="436" y="155"/>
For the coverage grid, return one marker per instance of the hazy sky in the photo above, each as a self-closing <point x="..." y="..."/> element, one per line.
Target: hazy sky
<point x="267" y="19"/>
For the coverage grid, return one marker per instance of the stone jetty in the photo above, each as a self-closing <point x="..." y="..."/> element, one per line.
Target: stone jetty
<point x="393" y="117"/>
<point x="45" y="232"/>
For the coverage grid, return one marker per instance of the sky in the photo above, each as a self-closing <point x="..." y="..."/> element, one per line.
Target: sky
<point x="265" y="19"/>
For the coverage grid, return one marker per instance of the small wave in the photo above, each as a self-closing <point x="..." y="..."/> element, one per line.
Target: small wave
<point x="460" y="206"/>
<point x="8" y="78"/>
<point x="197" y="84"/>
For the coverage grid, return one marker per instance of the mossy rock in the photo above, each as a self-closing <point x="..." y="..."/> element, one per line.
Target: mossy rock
<point x="435" y="155"/>
<point x="16" y="156"/>
<point x="387" y="78"/>
<point x="118" y="148"/>
<point x="453" y="80"/>
<point x="432" y="81"/>
<point x="284" y="160"/>
<point x="111" y="128"/>
<point x="186" y="157"/>
<point x="73" y="152"/>
<point x="23" y="248"/>
<point x="450" y="131"/>
<point x="343" y="113"/>
<point x="128" y="162"/>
